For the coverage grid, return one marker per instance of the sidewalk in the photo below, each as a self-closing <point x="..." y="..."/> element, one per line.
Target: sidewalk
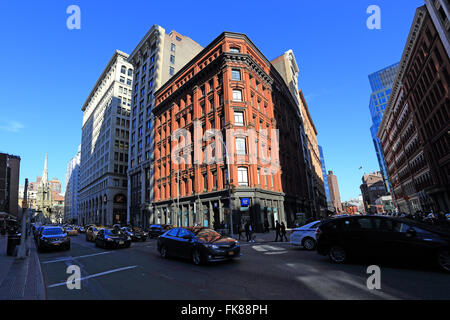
<point x="263" y="237"/>
<point x="20" y="279"/>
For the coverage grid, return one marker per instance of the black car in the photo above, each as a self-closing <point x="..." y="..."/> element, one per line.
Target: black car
<point x="112" y="238"/>
<point x="383" y="237"/>
<point x="136" y="233"/>
<point x="53" y="237"/>
<point x="199" y="244"/>
<point x="155" y="230"/>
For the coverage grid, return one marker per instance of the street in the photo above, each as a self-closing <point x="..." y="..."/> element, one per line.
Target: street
<point x="269" y="270"/>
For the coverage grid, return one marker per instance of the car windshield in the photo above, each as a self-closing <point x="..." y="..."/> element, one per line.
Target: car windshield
<point x="111" y="232"/>
<point x="52" y="231"/>
<point x="207" y="234"/>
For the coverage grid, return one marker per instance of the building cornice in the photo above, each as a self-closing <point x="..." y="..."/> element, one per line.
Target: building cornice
<point x="111" y="62"/>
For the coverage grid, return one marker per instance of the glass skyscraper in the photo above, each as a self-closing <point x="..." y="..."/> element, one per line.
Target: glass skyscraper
<point x="325" y="179"/>
<point x="381" y="83"/>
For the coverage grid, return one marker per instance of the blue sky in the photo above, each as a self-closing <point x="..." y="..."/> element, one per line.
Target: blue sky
<point x="48" y="70"/>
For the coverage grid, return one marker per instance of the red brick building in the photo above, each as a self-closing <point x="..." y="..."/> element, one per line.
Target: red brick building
<point x="231" y="87"/>
<point x="415" y="128"/>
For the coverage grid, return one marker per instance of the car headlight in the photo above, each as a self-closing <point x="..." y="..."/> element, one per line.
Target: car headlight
<point x="236" y="243"/>
<point x="212" y="246"/>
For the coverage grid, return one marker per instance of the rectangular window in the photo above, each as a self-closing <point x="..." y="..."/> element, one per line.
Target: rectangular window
<point x="172" y="58"/>
<point x="240" y="146"/>
<point x="171" y="71"/>
<point x="172" y="47"/>
<point x="237" y="95"/>
<point x="243" y="176"/>
<point x="236" y="74"/>
<point x="238" y="118"/>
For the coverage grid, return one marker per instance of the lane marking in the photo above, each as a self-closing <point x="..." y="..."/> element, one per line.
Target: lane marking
<point x="78" y="257"/>
<point x="94" y="276"/>
<point x="276" y="252"/>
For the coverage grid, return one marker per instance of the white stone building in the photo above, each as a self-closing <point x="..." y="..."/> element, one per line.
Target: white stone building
<point x="156" y="59"/>
<point x="71" y="188"/>
<point x="104" y="145"/>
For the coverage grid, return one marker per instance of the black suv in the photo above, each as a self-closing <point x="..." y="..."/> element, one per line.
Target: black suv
<point x="51" y="237"/>
<point x="383" y="237"/>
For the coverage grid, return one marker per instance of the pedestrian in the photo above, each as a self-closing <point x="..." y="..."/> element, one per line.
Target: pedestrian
<point x="247" y="231"/>
<point x="250" y="231"/>
<point x="241" y="230"/>
<point x="283" y="232"/>
<point x="266" y="226"/>
<point x="277" y="230"/>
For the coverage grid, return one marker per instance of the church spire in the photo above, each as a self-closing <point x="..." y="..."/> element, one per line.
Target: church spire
<point x="44" y="180"/>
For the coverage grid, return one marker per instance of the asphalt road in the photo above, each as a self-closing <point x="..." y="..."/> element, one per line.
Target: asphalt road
<point x="274" y="271"/>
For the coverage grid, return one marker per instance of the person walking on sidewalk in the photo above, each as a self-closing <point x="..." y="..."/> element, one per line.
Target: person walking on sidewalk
<point x="241" y="230"/>
<point x="250" y="231"/>
<point x="266" y="226"/>
<point x="283" y="232"/>
<point x="247" y="231"/>
<point x="278" y="231"/>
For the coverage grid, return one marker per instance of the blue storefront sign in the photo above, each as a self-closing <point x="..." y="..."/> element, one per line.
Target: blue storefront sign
<point x="245" y="202"/>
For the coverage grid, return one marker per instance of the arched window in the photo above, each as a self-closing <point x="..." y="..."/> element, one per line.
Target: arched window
<point x="123" y="69"/>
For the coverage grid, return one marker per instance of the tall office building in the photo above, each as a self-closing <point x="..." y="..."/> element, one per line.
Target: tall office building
<point x="287" y="67"/>
<point x="155" y="60"/>
<point x="334" y="192"/>
<point x="330" y="207"/>
<point x="381" y="83"/>
<point x="71" y="189"/>
<point x="232" y="91"/>
<point x="9" y="184"/>
<point x="104" y="145"/>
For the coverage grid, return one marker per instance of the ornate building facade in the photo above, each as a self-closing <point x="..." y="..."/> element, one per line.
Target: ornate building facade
<point x="232" y="90"/>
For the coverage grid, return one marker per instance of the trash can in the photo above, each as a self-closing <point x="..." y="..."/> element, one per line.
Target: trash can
<point x="13" y="241"/>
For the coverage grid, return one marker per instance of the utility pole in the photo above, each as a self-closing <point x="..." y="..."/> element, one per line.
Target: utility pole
<point x="22" y="250"/>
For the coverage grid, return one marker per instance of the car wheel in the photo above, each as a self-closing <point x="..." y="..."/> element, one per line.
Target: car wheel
<point x="163" y="252"/>
<point x="337" y="254"/>
<point x="196" y="257"/>
<point x="444" y="259"/>
<point x="309" y="244"/>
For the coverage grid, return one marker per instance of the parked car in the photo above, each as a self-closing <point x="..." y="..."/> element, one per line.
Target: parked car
<point x="112" y="238"/>
<point x="81" y="229"/>
<point x="305" y="236"/>
<point x="71" y="231"/>
<point x="91" y="233"/>
<point x="200" y="244"/>
<point x="53" y="237"/>
<point x="155" y="230"/>
<point x="383" y="237"/>
<point x="136" y="233"/>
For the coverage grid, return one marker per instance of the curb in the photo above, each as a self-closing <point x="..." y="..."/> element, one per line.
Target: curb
<point x="41" y="291"/>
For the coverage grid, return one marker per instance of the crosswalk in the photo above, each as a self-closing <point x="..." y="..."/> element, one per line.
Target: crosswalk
<point x="270" y="249"/>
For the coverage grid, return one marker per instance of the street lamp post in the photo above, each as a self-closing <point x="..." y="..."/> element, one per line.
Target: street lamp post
<point x="230" y="205"/>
